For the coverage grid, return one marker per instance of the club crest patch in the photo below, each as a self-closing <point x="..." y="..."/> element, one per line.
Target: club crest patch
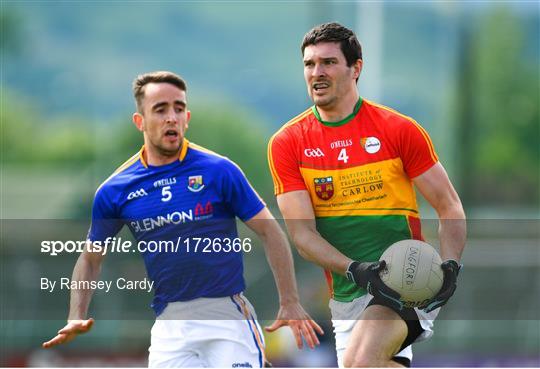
<point x="324" y="187"/>
<point x="195" y="183"/>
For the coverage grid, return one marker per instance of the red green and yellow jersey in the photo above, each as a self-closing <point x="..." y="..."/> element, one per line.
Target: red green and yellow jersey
<point x="358" y="174"/>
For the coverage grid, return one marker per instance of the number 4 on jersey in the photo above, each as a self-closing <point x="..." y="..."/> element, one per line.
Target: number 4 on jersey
<point x="343" y="156"/>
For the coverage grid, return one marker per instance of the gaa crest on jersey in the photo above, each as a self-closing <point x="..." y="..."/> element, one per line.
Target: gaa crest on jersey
<point x="370" y="144"/>
<point x="324" y="187"/>
<point x="195" y="183"/>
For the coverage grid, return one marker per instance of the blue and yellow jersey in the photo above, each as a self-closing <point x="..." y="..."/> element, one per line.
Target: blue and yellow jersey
<point x="198" y="196"/>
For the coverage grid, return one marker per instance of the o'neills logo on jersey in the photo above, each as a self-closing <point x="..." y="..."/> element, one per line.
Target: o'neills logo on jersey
<point x="370" y="144"/>
<point x="324" y="188"/>
<point x="341" y="143"/>
<point x="165" y="182"/>
<point x="195" y="183"/>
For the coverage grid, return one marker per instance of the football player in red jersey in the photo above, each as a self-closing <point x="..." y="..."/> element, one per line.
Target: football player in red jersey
<point x="343" y="174"/>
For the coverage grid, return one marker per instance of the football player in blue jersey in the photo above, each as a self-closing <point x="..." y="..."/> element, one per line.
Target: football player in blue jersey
<point x="176" y="192"/>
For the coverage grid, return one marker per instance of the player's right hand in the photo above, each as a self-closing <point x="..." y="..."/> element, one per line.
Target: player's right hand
<point x="69" y="332"/>
<point x="366" y="275"/>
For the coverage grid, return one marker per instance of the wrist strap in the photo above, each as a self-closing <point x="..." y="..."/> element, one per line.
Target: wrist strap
<point x="454" y="265"/>
<point x="349" y="273"/>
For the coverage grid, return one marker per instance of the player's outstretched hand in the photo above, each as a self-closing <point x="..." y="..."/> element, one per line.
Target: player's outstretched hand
<point x="450" y="272"/>
<point x="366" y="275"/>
<point x="301" y="324"/>
<point x="69" y="332"/>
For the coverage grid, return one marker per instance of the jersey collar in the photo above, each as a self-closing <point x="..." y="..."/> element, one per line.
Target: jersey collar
<point x="181" y="156"/>
<point x="347" y="119"/>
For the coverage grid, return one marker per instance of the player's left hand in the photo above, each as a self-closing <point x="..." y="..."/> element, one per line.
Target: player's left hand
<point x="301" y="324"/>
<point x="450" y="271"/>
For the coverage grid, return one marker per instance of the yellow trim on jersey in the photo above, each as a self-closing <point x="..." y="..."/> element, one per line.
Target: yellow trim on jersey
<point x="420" y="128"/>
<point x="181" y="155"/>
<point x="278" y="184"/>
<point x="141" y="157"/>
<point x="379" y="188"/>
<point x="122" y="167"/>
<point x="193" y="145"/>
<point x="183" y="151"/>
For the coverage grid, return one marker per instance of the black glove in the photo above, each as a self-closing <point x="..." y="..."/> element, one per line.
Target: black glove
<point x="366" y="275"/>
<point x="451" y="270"/>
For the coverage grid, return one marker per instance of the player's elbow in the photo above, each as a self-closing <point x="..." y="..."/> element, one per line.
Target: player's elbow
<point x="92" y="259"/>
<point x="451" y="208"/>
<point x="461" y="212"/>
<point x="302" y="252"/>
<point x="454" y="211"/>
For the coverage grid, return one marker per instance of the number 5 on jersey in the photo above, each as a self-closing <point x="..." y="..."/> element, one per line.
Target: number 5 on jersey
<point x="166" y="193"/>
<point x="343" y="156"/>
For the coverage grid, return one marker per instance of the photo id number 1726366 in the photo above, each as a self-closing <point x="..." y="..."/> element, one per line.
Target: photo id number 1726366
<point x="206" y="244"/>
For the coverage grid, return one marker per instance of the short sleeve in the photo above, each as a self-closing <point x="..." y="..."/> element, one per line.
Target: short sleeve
<point x="284" y="164"/>
<point x="416" y="149"/>
<point x="238" y="193"/>
<point x="105" y="220"/>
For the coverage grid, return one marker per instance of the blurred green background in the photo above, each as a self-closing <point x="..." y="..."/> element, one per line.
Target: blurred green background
<point x="467" y="71"/>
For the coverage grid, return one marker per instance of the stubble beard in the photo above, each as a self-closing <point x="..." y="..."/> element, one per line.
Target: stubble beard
<point x="170" y="151"/>
<point x="324" y="102"/>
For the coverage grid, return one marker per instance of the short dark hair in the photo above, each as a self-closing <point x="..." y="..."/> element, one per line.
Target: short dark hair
<point x="155" y="77"/>
<point x="335" y="32"/>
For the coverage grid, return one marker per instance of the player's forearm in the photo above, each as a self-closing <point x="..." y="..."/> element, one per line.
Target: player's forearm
<point x="452" y="232"/>
<point x="279" y="256"/>
<point x="313" y="247"/>
<point x="86" y="269"/>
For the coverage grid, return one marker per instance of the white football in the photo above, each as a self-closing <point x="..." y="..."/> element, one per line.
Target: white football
<point x="413" y="270"/>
